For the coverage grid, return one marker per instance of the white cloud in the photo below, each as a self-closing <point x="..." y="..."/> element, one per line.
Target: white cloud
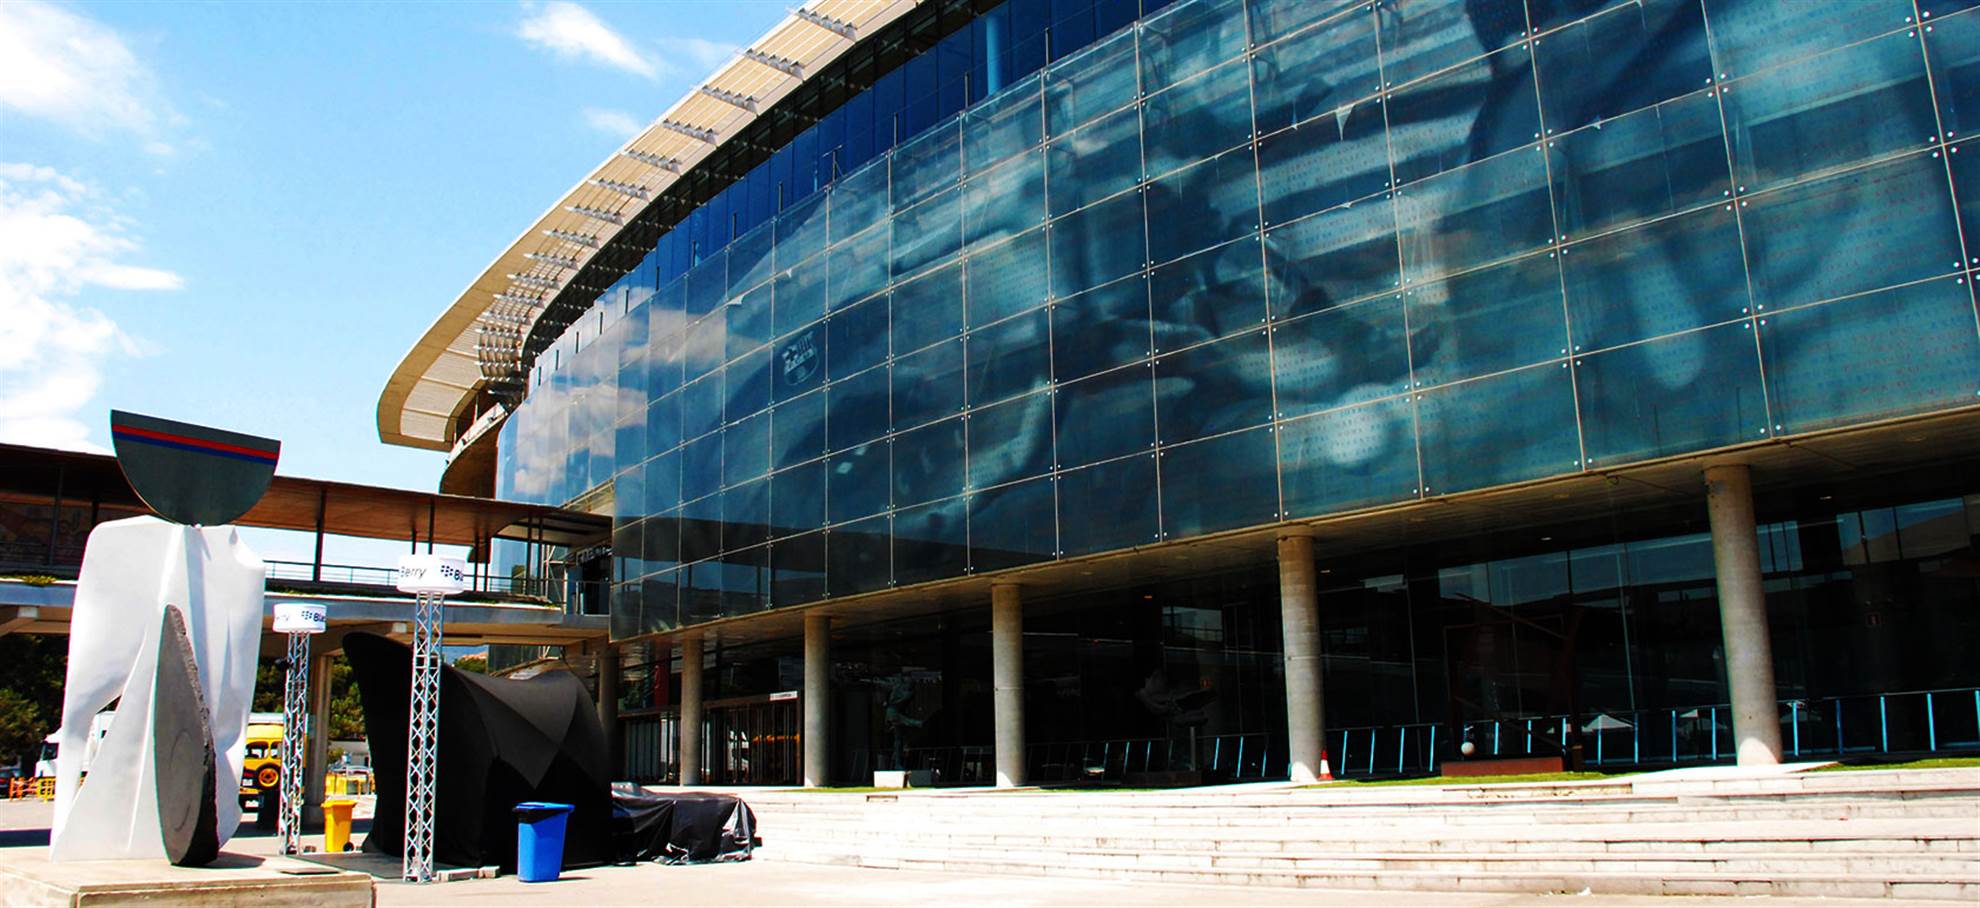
<point x="56" y="240"/>
<point x="60" y="66"/>
<point x="571" y="31"/>
<point x="703" y="53"/>
<point x="612" y="122"/>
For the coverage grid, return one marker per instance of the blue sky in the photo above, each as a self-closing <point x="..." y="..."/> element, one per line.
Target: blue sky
<point x="244" y="214"/>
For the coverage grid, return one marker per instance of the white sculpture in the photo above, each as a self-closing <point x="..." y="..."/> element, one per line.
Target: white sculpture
<point x="133" y="571"/>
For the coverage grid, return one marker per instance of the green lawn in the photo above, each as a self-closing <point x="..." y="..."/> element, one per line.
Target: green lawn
<point x="1932" y="763"/>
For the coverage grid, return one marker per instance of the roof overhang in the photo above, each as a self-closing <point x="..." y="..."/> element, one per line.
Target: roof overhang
<point x="440" y="376"/>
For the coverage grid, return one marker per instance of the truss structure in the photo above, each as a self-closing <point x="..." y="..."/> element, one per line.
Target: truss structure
<point x="423" y="739"/>
<point x="295" y="711"/>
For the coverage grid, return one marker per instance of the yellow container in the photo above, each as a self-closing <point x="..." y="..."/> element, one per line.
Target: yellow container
<point x="337" y="824"/>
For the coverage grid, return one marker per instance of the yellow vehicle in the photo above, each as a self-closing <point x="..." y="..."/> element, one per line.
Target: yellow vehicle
<point x="261" y="766"/>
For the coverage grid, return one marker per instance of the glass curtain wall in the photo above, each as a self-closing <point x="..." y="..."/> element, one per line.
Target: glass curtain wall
<point x="1250" y="261"/>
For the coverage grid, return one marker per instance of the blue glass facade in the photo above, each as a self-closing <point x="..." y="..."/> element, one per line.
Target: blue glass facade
<point x="1116" y="277"/>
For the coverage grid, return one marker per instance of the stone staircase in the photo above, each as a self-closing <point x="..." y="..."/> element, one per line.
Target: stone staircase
<point x="1901" y="834"/>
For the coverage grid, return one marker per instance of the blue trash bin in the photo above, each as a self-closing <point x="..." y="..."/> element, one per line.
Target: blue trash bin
<point x="540" y="840"/>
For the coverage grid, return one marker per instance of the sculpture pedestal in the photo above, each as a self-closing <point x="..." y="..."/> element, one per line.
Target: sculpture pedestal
<point x="27" y="877"/>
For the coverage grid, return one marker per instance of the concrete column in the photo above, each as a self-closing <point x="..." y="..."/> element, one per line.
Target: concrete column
<point x="316" y="741"/>
<point x="1743" y="615"/>
<point x="1299" y="609"/>
<point x="817" y="699"/>
<point x="690" y="727"/>
<point x="608" y="709"/>
<point x="1007" y="680"/>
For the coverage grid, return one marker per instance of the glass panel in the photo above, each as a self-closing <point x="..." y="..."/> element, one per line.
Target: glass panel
<point x="928" y="233"/>
<point x="797" y="570"/>
<point x="658" y="605"/>
<point x="1106" y="416"/>
<point x="661" y="545"/>
<point x="1100" y="329"/>
<point x="1333" y="257"/>
<point x="928" y="309"/>
<point x="856" y="338"/>
<point x="1003" y="125"/>
<point x="1688" y="392"/>
<point x="799" y="363"/>
<point x="800" y="296"/>
<point x="856" y="557"/>
<point x="1845" y="234"/>
<point x="1626" y="59"/>
<point x="1011" y="440"/>
<point x="663" y="483"/>
<point x="1519" y="425"/>
<point x="1204" y="206"/>
<point x="1491" y="210"/>
<point x="1009" y="358"/>
<point x="750" y="261"/>
<point x="797" y="499"/>
<point x="1220" y="484"/>
<point x="1341" y="356"/>
<point x="797" y="429"/>
<point x="746" y="515"/>
<point x="926" y="165"/>
<point x="1349" y="458"/>
<point x="859" y="200"/>
<point x="931" y="542"/>
<point x="1830" y="111"/>
<point x="1005" y="201"/>
<point x="1098" y="244"/>
<point x="1673" y="275"/>
<point x="1214" y="388"/>
<point x="1420" y="37"/>
<point x="928" y="462"/>
<point x="1188" y="39"/>
<point x="1099" y="79"/>
<point x="1198" y="118"/>
<point x="701" y="405"/>
<point x="1751" y="35"/>
<point x="707" y="282"/>
<point x="801" y="231"/>
<point x="748" y="322"/>
<point x="1012" y="525"/>
<point x="1885" y="354"/>
<point x="856" y="482"/>
<point x="1275" y="19"/>
<point x="1321" y="72"/>
<point x="1652" y="162"/>
<point x="1208" y="295"/>
<point x="1463" y="116"/>
<point x="746" y="449"/>
<point x="1953" y="45"/>
<point x="748" y="383"/>
<point x="857" y="409"/>
<point x="928" y="385"/>
<point x="701" y="466"/>
<point x="1965" y="161"/>
<point x="701" y="528"/>
<point x="1007" y="279"/>
<point x="1095" y="162"/>
<point x="1488" y="320"/>
<point x="1325" y="162"/>
<point x="859" y="268"/>
<point x="703" y="344"/>
<point x="1109" y="506"/>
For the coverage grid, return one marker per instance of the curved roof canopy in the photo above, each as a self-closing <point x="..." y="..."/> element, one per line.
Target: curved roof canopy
<point x="469" y="345"/>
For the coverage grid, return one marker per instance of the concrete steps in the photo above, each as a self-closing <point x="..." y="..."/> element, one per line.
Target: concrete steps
<point x="1900" y="834"/>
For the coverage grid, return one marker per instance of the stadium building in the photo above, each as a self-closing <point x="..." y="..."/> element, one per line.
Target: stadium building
<point x="1239" y="389"/>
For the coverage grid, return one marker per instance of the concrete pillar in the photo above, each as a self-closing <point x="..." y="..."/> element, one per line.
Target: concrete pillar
<point x="1743" y="615"/>
<point x="1007" y="680"/>
<point x="817" y="699"/>
<point x="608" y="709"/>
<point x="690" y="727"/>
<point x="316" y="741"/>
<point x="1299" y="609"/>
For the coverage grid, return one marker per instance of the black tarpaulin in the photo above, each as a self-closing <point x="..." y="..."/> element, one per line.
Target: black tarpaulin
<point x="686" y="828"/>
<point x="502" y="742"/>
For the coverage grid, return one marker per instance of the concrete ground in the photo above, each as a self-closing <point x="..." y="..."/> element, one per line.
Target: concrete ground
<point x="24" y="825"/>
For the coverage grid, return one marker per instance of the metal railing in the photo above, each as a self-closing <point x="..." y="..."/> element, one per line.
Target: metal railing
<point x="372" y="575"/>
<point x="1904" y="722"/>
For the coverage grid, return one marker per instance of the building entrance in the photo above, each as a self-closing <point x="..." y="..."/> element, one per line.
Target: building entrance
<point x="753" y="740"/>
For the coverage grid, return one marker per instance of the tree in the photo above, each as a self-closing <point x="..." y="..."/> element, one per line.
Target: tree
<point x="473" y="662"/>
<point x="32" y="670"/>
<point x="346" y="709"/>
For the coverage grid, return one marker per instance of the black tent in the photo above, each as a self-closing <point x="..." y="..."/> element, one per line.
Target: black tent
<point x="502" y="742"/>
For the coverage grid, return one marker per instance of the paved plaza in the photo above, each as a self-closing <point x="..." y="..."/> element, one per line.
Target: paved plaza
<point x="24" y="824"/>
